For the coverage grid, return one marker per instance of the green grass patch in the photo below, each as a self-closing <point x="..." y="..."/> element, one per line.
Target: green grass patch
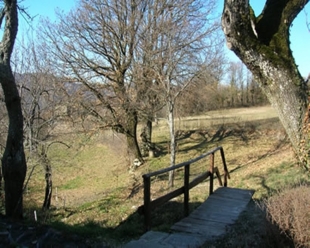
<point x="73" y="184"/>
<point x="273" y="179"/>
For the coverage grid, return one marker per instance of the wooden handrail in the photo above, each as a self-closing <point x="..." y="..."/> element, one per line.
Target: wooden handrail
<point x="150" y="205"/>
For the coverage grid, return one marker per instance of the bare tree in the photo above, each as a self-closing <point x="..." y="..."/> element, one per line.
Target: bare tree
<point x="13" y="159"/>
<point x="204" y="93"/>
<point x="44" y="104"/>
<point x="94" y="45"/>
<point x="179" y="34"/>
<point x="233" y="84"/>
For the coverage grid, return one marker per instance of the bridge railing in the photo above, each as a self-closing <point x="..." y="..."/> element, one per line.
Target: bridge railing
<point x="150" y="205"/>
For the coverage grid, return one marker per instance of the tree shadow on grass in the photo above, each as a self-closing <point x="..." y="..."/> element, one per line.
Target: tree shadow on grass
<point x="92" y="233"/>
<point x="217" y="133"/>
<point x="162" y="218"/>
<point x="198" y="139"/>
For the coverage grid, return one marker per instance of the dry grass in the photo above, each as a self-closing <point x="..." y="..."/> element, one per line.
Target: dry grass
<point x="95" y="186"/>
<point x="289" y="210"/>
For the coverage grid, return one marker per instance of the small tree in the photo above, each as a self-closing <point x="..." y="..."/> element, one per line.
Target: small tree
<point x="179" y="34"/>
<point x="44" y="104"/>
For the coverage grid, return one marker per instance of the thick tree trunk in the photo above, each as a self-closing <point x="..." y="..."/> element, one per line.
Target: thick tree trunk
<point x="13" y="159"/>
<point x="149" y="131"/>
<point x="148" y="147"/>
<point x="262" y="44"/>
<point x="131" y="136"/>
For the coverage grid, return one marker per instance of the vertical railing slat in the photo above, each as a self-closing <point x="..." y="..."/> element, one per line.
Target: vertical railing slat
<point x="186" y="189"/>
<point x="211" y="173"/>
<point x="147" y="203"/>
<point x="226" y="173"/>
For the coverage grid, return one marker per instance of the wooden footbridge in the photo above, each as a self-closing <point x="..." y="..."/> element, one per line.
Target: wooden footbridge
<point x="206" y="223"/>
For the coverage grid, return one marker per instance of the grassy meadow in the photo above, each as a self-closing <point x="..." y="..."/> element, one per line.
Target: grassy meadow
<point x="95" y="194"/>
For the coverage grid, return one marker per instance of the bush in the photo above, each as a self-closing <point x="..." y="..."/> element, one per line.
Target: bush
<point x="289" y="210"/>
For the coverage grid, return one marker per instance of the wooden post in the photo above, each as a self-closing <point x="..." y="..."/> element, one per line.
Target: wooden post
<point x="226" y="173"/>
<point x="211" y="173"/>
<point x="147" y="203"/>
<point x="217" y="172"/>
<point x="186" y="189"/>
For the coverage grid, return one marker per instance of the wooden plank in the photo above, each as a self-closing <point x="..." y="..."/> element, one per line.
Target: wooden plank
<point x="186" y="190"/>
<point x="147" y="204"/>
<point x="234" y="193"/>
<point x="211" y="228"/>
<point x="220" y="211"/>
<point x="223" y="205"/>
<point x="210" y="231"/>
<point x="217" y="200"/>
<point x="204" y="219"/>
<point x="228" y="219"/>
<point x="203" y="230"/>
<point x="190" y="221"/>
<point x="180" y="240"/>
<point x="163" y="199"/>
<point x="214" y="199"/>
<point x="199" y="179"/>
<point x="220" y="208"/>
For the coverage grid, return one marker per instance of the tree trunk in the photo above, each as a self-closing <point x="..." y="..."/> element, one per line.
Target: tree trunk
<point x="1" y="181"/>
<point x="48" y="181"/>
<point x="149" y="129"/>
<point x="131" y="136"/>
<point x="48" y="191"/>
<point x="172" y="140"/>
<point x="262" y="44"/>
<point x="146" y="139"/>
<point x="13" y="160"/>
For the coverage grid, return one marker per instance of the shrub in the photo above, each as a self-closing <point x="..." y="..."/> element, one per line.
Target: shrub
<point x="289" y="210"/>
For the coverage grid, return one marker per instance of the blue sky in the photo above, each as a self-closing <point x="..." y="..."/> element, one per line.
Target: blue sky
<point x="300" y="36"/>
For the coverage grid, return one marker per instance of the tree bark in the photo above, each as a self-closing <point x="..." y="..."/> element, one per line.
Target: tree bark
<point x="262" y="43"/>
<point x="170" y="107"/>
<point x="131" y="135"/>
<point x="149" y="130"/>
<point x="48" y="180"/>
<point x="13" y="160"/>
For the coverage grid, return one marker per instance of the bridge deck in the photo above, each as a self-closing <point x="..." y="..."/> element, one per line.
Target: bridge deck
<point x="218" y="211"/>
<point x="209" y="221"/>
